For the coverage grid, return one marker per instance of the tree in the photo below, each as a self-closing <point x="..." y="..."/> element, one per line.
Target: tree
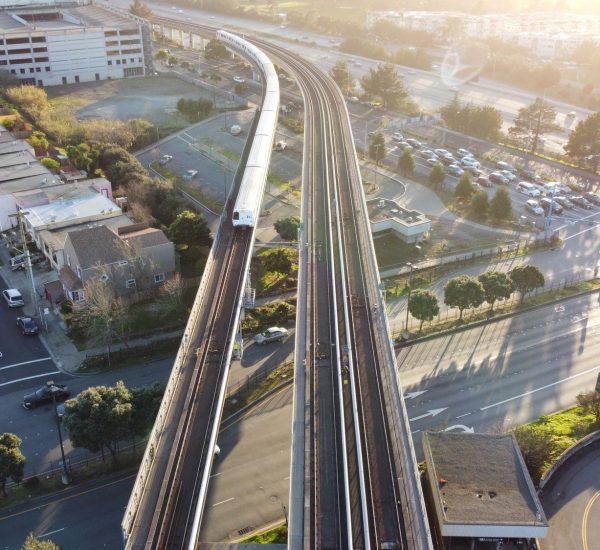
<point x="437" y="175"/>
<point x="145" y="404"/>
<point x="191" y="229"/>
<point x="484" y="122"/>
<point x="406" y="163"/>
<point x="526" y="278"/>
<point x="288" y="228"/>
<point x="104" y="316"/>
<point x="38" y="141"/>
<point x="51" y="164"/>
<point x="172" y="61"/>
<point x="463" y="292"/>
<point x="385" y="83"/>
<point x="377" y="150"/>
<point x="496" y="286"/>
<point x="501" y="205"/>
<point x="480" y="205"/>
<point x="278" y="260"/>
<point x="464" y="188"/>
<point x="342" y="77"/>
<point x="172" y="294"/>
<point x="423" y="305"/>
<point x="99" y="418"/>
<point x="584" y="142"/>
<point x="33" y="543"/>
<point x="140" y="9"/>
<point x="538" y="447"/>
<point x="534" y="121"/>
<point x="215" y="49"/>
<point x="12" y="461"/>
<point x="161" y="55"/>
<point x="590" y="403"/>
<point x="83" y="156"/>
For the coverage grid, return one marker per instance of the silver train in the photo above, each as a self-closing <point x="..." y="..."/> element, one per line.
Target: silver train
<point x="252" y="187"/>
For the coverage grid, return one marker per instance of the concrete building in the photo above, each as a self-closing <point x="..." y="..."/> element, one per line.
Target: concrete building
<point x="480" y="492"/>
<point x="386" y="215"/>
<point x="49" y="44"/>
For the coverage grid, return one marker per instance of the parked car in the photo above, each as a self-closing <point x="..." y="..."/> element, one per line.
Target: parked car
<point x="280" y="146"/>
<point x="594" y="198"/>
<point x="27" y="326"/>
<point x="273" y="334"/>
<point x="402" y="145"/>
<point x="428" y="154"/>
<point x="528" y="189"/>
<point x="13" y="297"/>
<point x="473" y="170"/>
<point x="508" y="175"/>
<point x="529" y="175"/>
<point x="443" y="153"/>
<point x="448" y="160"/>
<point x="397" y="136"/>
<point x="18" y="262"/>
<point x="563" y="201"/>
<point x="464" y="153"/>
<point x="581" y="202"/>
<point x="235" y="130"/>
<point x="415" y="143"/>
<point x="556" y="208"/>
<point x="498" y="178"/>
<point x="239" y="79"/>
<point x="353" y="99"/>
<point x="534" y="206"/>
<point x="190" y="174"/>
<point x="454" y="170"/>
<point x="484" y="181"/>
<point x="165" y="158"/>
<point x="44" y="395"/>
<point x="501" y="165"/>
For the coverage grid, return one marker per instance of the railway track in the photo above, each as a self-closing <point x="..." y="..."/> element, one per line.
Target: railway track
<point x="358" y="473"/>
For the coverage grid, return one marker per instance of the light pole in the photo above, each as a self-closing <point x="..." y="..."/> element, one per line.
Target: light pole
<point x="53" y="389"/>
<point x="410" y="265"/>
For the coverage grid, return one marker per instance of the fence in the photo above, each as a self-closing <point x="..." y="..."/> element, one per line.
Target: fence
<point x="76" y="462"/>
<point x="499" y="307"/>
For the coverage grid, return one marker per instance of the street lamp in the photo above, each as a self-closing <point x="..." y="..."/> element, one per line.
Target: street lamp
<point x="410" y="265"/>
<point x="53" y="390"/>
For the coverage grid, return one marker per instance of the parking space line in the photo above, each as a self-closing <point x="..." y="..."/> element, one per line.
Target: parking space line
<point x="26" y="363"/>
<point x="29" y="378"/>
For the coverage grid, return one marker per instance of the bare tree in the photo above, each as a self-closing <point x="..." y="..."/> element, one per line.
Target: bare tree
<point x="172" y="294"/>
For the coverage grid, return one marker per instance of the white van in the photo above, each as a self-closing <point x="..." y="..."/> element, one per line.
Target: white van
<point x="18" y="262"/>
<point x="528" y="189"/>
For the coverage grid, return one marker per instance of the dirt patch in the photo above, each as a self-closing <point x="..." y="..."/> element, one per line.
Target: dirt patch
<point x="153" y="98"/>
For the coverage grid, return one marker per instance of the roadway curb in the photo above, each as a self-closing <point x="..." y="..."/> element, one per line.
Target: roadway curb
<point x="482" y="322"/>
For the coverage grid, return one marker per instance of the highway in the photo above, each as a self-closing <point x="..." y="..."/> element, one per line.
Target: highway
<point x="505" y="373"/>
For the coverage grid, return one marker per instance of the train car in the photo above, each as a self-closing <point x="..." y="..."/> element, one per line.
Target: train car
<point x="252" y="186"/>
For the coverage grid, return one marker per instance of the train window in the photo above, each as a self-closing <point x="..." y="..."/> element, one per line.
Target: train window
<point x="236" y="215"/>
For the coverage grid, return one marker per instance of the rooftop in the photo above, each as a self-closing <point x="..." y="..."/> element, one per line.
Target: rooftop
<point x="384" y="209"/>
<point x="77" y="210"/>
<point x="145" y="238"/>
<point x="97" y="245"/>
<point x="47" y="17"/>
<point x="481" y="479"/>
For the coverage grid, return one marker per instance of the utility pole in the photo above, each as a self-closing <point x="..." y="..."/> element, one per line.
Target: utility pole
<point x="20" y="214"/>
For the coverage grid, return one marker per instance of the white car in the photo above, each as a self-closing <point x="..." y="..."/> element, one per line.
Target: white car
<point x="239" y="79"/>
<point x="470" y="161"/>
<point x="190" y="174"/>
<point x="280" y="146"/>
<point x="353" y="99"/>
<point x="165" y="158"/>
<point x="455" y="170"/>
<point x="13" y="297"/>
<point x="508" y="175"/>
<point x="273" y="334"/>
<point x="464" y="153"/>
<point x="397" y="136"/>
<point x="534" y="207"/>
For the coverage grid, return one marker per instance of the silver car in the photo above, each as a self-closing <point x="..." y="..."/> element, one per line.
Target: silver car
<point x="273" y="334"/>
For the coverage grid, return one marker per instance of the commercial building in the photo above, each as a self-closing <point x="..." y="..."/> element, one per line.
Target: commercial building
<point x="49" y="44"/>
<point x="386" y="215"/>
<point x="480" y="492"/>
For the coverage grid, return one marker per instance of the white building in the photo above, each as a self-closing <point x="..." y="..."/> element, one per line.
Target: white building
<point x="47" y="45"/>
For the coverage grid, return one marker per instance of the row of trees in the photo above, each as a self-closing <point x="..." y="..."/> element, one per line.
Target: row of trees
<point x="499" y="208"/>
<point x="464" y="292"/>
<point x="484" y="122"/>
<point x="194" y="109"/>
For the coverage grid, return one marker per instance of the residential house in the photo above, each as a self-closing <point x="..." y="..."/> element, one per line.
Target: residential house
<point x="134" y="263"/>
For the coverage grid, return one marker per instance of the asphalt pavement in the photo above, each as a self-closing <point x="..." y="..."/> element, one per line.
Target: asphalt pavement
<point x="572" y="503"/>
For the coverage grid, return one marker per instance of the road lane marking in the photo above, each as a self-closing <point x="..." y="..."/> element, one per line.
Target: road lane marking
<point x="25" y="363"/>
<point x="431" y="412"/>
<point x="585" y="518"/>
<point x="540" y="389"/>
<point x="460" y="416"/>
<point x="223" y="501"/>
<point x="50" y="533"/>
<point x="29" y="378"/>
